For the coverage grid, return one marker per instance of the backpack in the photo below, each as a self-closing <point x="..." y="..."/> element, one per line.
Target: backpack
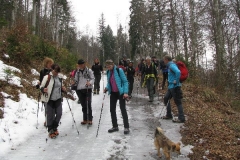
<point x="48" y="80"/>
<point x="184" y="71"/>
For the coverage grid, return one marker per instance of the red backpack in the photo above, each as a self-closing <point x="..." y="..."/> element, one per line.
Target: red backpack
<point x="183" y="69"/>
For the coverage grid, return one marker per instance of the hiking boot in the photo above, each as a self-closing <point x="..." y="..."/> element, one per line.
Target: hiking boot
<point x="126" y="131"/>
<point x="167" y="117"/>
<point x="90" y="122"/>
<point x="114" y="129"/>
<point x="52" y="134"/>
<point x="178" y="121"/>
<point x="84" y="122"/>
<point x="56" y="132"/>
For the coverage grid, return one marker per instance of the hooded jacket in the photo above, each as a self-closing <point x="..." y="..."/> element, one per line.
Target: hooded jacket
<point x="121" y="81"/>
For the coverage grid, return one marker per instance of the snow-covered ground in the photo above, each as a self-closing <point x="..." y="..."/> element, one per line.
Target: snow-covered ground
<point x="19" y="138"/>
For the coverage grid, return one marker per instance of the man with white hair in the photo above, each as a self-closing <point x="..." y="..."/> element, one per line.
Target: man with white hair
<point x="150" y="72"/>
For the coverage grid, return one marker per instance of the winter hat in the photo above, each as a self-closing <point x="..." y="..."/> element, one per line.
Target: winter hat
<point x="81" y="61"/>
<point x="109" y="62"/>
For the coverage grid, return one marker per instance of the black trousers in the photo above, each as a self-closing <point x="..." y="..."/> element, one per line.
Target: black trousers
<point x="85" y="97"/>
<point x="54" y="113"/>
<point x="165" y="77"/>
<point x="97" y="83"/>
<point x="113" y="103"/>
<point x="130" y="81"/>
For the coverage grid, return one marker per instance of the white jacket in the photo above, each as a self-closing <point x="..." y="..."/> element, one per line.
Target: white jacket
<point x="45" y="97"/>
<point x="82" y="77"/>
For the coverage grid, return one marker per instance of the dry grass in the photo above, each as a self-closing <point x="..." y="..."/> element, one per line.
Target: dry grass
<point x="213" y="125"/>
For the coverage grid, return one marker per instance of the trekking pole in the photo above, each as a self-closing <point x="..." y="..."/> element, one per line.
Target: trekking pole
<point x="87" y="107"/>
<point x="103" y="80"/>
<point x="38" y="109"/>
<point x="100" y="114"/>
<point x="72" y="115"/>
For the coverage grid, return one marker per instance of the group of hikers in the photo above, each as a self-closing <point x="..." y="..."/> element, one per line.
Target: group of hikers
<point x="120" y="79"/>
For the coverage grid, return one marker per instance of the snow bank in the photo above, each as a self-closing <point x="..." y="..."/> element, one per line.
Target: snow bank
<point x="6" y="74"/>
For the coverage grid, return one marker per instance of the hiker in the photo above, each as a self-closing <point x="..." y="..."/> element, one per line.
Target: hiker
<point x="155" y="61"/>
<point x="124" y="60"/>
<point x="97" y="69"/>
<point x="130" y="77"/>
<point x="121" y="65"/>
<point x="85" y="79"/>
<point x="51" y="88"/>
<point x="174" y="90"/>
<point x="117" y="87"/>
<point x="72" y="81"/>
<point x="47" y="63"/>
<point x="141" y="67"/>
<point x="164" y="70"/>
<point x="150" y="73"/>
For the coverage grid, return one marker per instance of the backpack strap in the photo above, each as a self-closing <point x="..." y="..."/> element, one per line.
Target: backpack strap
<point x="48" y="80"/>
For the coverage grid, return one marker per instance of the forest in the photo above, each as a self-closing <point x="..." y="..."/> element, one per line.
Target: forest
<point x="204" y="34"/>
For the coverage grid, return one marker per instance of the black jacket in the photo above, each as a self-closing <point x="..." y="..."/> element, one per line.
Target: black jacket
<point x="149" y="70"/>
<point x="130" y="72"/>
<point x="43" y="73"/>
<point x="97" y="69"/>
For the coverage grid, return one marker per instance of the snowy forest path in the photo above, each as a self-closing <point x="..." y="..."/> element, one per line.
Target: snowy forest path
<point x="143" y="119"/>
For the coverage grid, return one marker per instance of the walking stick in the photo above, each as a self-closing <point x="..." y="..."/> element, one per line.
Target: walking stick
<point x="87" y="107"/>
<point x="38" y="108"/>
<point x="100" y="114"/>
<point x="72" y="115"/>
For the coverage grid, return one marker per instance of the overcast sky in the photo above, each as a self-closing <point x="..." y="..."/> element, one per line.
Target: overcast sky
<point x="88" y="12"/>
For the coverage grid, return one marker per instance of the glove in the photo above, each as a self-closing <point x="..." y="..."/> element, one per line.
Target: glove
<point x="105" y="90"/>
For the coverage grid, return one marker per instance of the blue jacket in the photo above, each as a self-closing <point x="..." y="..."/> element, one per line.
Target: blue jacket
<point x="173" y="75"/>
<point x="121" y="81"/>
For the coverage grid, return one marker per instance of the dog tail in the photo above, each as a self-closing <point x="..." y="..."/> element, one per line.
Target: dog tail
<point x="158" y="131"/>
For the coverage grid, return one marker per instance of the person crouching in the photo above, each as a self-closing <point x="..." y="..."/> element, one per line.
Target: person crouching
<point x="51" y="88"/>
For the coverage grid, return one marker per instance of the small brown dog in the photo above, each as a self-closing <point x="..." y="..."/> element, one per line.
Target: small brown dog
<point x="161" y="141"/>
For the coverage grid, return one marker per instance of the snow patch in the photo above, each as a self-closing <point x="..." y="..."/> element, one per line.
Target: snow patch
<point x="35" y="72"/>
<point x="10" y="77"/>
<point x="6" y="55"/>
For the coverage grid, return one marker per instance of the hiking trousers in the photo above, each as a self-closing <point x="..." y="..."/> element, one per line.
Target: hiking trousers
<point x="97" y="83"/>
<point x="165" y="77"/>
<point x="113" y="103"/>
<point x="176" y="94"/>
<point x="54" y="113"/>
<point x="130" y="81"/>
<point x="150" y="87"/>
<point x="85" y="97"/>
